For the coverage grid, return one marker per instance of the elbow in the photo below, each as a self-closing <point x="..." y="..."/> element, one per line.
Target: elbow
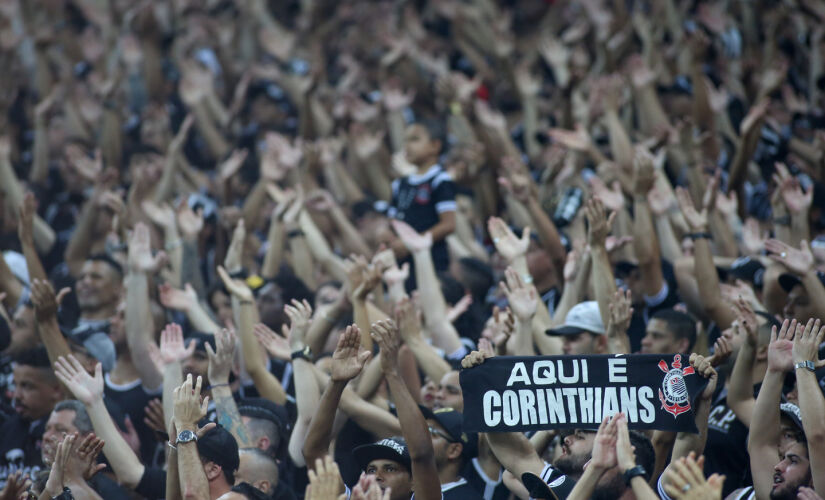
<point x="422" y="456"/>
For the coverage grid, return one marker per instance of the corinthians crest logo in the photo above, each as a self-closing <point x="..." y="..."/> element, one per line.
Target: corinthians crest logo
<point x="674" y="394"/>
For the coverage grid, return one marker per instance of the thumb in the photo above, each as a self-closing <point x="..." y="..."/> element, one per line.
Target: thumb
<point x="206" y="428"/>
<point x="364" y="356"/>
<point x="525" y="234"/>
<point x="61" y="294"/>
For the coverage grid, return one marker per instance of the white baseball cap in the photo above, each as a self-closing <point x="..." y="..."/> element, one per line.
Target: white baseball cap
<point x="583" y="317"/>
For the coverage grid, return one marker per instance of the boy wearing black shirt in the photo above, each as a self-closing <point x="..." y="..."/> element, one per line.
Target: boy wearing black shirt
<point x="426" y="199"/>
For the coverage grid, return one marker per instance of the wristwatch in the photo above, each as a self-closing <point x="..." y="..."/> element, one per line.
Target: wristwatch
<point x="305" y="353"/>
<point x="808" y="365"/>
<point x="186" y="436"/>
<point x="633" y="472"/>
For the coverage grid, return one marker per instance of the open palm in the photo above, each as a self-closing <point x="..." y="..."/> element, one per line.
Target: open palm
<point x="84" y="387"/>
<point x="349" y="358"/>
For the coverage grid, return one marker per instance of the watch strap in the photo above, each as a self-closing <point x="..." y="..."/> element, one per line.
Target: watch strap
<point x="186" y="436"/>
<point x="632" y="472"/>
<point x="808" y="365"/>
<point x="305" y="353"/>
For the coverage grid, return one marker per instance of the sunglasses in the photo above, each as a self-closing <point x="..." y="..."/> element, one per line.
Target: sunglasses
<point x="444" y="436"/>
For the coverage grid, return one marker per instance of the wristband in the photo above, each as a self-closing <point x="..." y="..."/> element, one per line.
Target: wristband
<point x="697" y="236"/>
<point x="66" y="494"/>
<point x="295" y="233"/>
<point x="632" y="472"/>
<point x="808" y="365"/>
<point x="305" y="353"/>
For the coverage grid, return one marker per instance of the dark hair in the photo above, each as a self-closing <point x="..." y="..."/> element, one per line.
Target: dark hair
<point x="81" y="418"/>
<point x="36" y="357"/>
<point x="104" y="257"/>
<point x="645" y="454"/>
<point x="477" y="276"/>
<point x="249" y="491"/>
<point x="435" y="129"/>
<point x="680" y="324"/>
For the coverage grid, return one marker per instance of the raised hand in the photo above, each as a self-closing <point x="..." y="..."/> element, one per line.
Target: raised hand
<point x="780" y="349"/>
<point x="703" y="367"/>
<point x="324" y="480"/>
<point x="300" y="317"/>
<point x="84" y="387"/>
<point x="276" y="345"/>
<point x="806" y="344"/>
<point x="179" y="300"/>
<point x="189" y="408"/>
<point x="236" y="287"/>
<point x="17" y="487"/>
<point x="753" y="238"/>
<point x="349" y="357"/>
<point x="599" y="224"/>
<point x="140" y="257"/>
<point x="368" y="488"/>
<point x="385" y="334"/>
<point x="612" y="197"/>
<point x="394" y="275"/>
<point x="25" y="224"/>
<point x="722" y="350"/>
<point x="190" y="223"/>
<point x="576" y="140"/>
<point x="232" y="164"/>
<point x="644" y="175"/>
<point x="476" y="358"/>
<point x="413" y="240"/>
<point x="798" y="261"/>
<point x="222" y="358"/>
<point x="697" y="220"/>
<point x="408" y="321"/>
<point x="160" y="213"/>
<point x="746" y="320"/>
<point x="45" y="302"/>
<point x="234" y="254"/>
<point x="154" y="418"/>
<point x="625" y="456"/>
<point x="523" y="298"/>
<point x="55" y="482"/>
<point x="621" y="313"/>
<point x="507" y="244"/>
<point x="172" y="349"/>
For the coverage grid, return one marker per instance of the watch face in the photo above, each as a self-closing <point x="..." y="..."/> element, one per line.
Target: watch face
<point x="186" y="436"/>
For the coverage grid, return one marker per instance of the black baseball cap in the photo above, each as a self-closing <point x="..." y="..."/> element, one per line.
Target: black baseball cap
<point x="792" y="411"/>
<point x="391" y="448"/>
<point x="218" y="445"/>
<point x="748" y="269"/>
<point x="557" y="486"/>
<point x="788" y="280"/>
<point x="453" y="423"/>
<point x="200" y="339"/>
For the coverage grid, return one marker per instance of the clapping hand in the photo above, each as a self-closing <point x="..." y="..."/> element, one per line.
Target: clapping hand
<point x="412" y="239"/>
<point x="507" y="244"/>
<point x="324" y="480"/>
<point x="189" y="408"/>
<point x="798" y="261"/>
<point x="300" y="317"/>
<point x="276" y="345"/>
<point x="806" y="343"/>
<point x="599" y="223"/>
<point x="780" y="349"/>
<point x="686" y="481"/>
<point x="385" y="334"/>
<point x="523" y="298"/>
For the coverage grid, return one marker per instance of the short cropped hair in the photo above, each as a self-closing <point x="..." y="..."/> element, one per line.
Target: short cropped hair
<point x="680" y="324"/>
<point x="81" y="416"/>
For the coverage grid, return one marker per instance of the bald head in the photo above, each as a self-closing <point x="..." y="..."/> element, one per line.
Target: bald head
<point x="258" y="469"/>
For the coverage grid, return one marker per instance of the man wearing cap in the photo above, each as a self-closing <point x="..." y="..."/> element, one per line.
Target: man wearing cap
<point x="453" y="448"/>
<point x="583" y="331"/>
<point x="206" y="465"/>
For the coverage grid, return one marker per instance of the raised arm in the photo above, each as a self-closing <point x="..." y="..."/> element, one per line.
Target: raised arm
<point x="740" y="388"/>
<point x="706" y="277"/>
<point x="409" y="327"/>
<point x="523" y="300"/>
<point x="140" y="328"/>
<point x="801" y="263"/>
<point x="645" y="242"/>
<point x="413" y="425"/>
<point x="601" y="273"/>
<point x="247" y="313"/>
<point x="45" y="314"/>
<point x="811" y="402"/>
<point x="188" y="411"/>
<point x="764" y="430"/>
<point x="220" y="365"/>
<point x="89" y="391"/>
<point x="347" y="362"/>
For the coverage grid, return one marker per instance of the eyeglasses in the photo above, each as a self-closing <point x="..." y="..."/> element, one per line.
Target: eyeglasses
<point x="442" y="435"/>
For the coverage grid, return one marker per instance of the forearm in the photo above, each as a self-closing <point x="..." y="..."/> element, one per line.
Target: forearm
<point x="228" y="416"/>
<point x="302" y="262"/>
<point x="740" y="388"/>
<point x="321" y="326"/>
<point x="320" y="247"/>
<point x="396" y="126"/>
<point x="621" y="147"/>
<point x="428" y="359"/>
<point x="274" y="250"/>
<point x="111" y="136"/>
<point x="377" y="179"/>
<point x="586" y="484"/>
<point x="44" y="235"/>
<point x="172" y="476"/>
<point x="9" y="285"/>
<point x="172" y="378"/>
<point x="413" y="425"/>
<point x="200" y="319"/>
<point x="604" y="284"/>
<point x="370" y="378"/>
<point x="763" y="439"/>
<point x="215" y="142"/>
<point x="193" y="482"/>
<point x="352" y="239"/>
<point x="708" y="281"/>
<point x="652" y="116"/>
<point x="40" y="153"/>
<point x="78" y="247"/>
<point x="307" y="399"/>
<point x="53" y="340"/>
<point x="140" y="329"/>
<point x="380" y="422"/>
<point x="646" y="247"/>
<point x="521" y="342"/>
<point x="816" y="294"/>
<point x="268" y="386"/>
<point x="668" y="243"/>
<point x="812" y="407"/>
<point x="319" y="434"/>
<point x="253" y="205"/>
<point x="126" y="465"/>
<point x="548" y="233"/>
<point x="190" y="266"/>
<point x="166" y="184"/>
<point x="442" y="229"/>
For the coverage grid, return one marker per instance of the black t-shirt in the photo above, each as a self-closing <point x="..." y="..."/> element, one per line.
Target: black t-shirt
<point x="133" y="399"/>
<point x="726" y="451"/>
<point x="459" y="490"/>
<point x="20" y="446"/>
<point x="419" y="200"/>
<point x="488" y="488"/>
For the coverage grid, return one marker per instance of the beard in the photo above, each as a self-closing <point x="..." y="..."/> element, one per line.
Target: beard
<point x="571" y="465"/>
<point x="609" y="487"/>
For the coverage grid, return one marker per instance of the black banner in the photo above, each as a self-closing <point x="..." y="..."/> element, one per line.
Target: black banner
<point x="520" y="393"/>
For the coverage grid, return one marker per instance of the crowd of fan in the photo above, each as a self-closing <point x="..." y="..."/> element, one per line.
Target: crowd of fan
<point x="249" y="244"/>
